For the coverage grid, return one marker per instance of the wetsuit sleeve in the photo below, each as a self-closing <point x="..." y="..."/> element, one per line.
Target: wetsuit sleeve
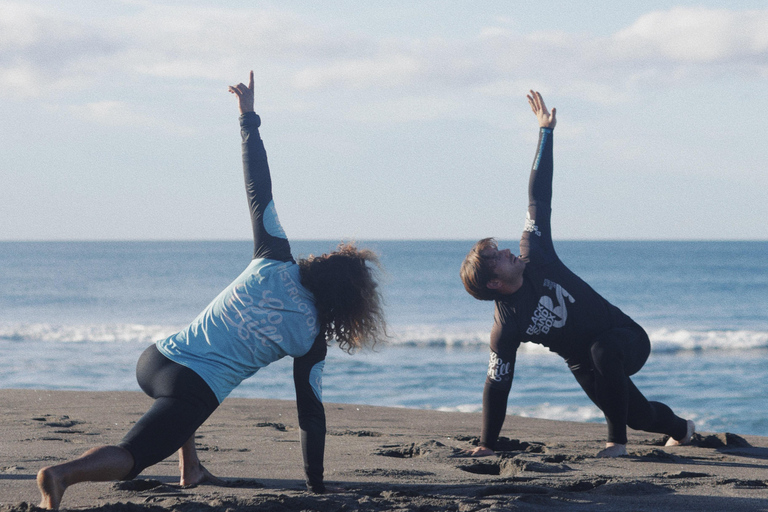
<point x="307" y="377"/>
<point x="269" y="240"/>
<point x="536" y="243"/>
<point x="498" y="382"/>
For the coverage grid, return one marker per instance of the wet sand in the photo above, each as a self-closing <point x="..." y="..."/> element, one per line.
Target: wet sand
<point x="380" y="459"/>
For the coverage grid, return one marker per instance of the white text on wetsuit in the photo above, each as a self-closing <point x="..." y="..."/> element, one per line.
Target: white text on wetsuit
<point x="497" y="368"/>
<point x="258" y="321"/>
<point x="291" y="288"/>
<point x="547" y="315"/>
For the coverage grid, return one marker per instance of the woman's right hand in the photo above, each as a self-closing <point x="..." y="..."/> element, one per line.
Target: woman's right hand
<point x="244" y="94"/>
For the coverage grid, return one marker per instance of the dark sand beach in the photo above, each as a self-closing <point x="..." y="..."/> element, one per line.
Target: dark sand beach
<point x="379" y="458"/>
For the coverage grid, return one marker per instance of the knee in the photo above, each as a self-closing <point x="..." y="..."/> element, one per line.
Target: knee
<point x="605" y="356"/>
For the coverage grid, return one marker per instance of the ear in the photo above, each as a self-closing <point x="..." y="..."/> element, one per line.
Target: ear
<point x="494" y="284"/>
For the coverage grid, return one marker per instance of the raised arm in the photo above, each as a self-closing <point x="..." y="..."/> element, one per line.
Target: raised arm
<point x="540" y="183"/>
<point x="269" y="240"/>
<point x="538" y="233"/>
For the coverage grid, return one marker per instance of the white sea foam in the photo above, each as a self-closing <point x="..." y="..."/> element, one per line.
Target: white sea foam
<point x="544" y="410"/>
<point x="103" y="333"/>
<point x="663" y="340"/>
<point x="666" y="340"/>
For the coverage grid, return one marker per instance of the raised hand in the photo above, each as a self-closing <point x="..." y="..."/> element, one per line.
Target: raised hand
<point x="244" y="94"/>
<point x="546" y="119"/>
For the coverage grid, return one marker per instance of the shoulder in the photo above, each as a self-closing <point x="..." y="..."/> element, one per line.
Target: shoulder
<point x="505" y="323"/>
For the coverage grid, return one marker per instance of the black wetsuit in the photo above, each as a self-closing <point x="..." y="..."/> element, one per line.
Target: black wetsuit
<point x="183" y="400"/>
<point x="555" y="308"/>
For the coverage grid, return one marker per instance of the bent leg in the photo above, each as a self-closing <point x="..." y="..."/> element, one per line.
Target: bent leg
<point x="183" y="401"/>
<point x="191" y="469"/>
<point x="163" y="430"/>
<point x="100" y="464"/>
<point x="611" y="386"/>
<point x="604" y="375"/>
<point x="585" y="376"/>
<point x="615" y="356"/>
<point x="652" y="416"/>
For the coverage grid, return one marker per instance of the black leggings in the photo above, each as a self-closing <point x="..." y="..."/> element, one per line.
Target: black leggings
<point x="613" y="357"/>
<point x="183" y="401"/>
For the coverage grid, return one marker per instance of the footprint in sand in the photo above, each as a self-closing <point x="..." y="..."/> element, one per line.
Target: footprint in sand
<point x="138" y="484"/>
<point x="355" y="433"/>
<point x="656" y="454"/>
<point x="683" y="474"/>
<point x="508" y="467"/>
<point x="243" y="483"/>
<point x="277" y="426"/>
<point x="408" y="451"/>
<point x="505" y="444"/>
<point x="57" y="422"/>
<point x="391" y="473"/>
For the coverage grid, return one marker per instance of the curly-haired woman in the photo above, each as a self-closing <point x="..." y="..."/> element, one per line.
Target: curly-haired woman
<point x="276" y="307"/>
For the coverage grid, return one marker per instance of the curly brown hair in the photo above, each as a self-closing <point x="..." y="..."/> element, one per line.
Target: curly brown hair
<point x="348" y="302"/>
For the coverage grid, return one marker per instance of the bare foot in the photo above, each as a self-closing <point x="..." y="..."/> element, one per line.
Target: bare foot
<point x="199" y="475"/>
<point x="691" y="428"/>
<point x="613" y="450"/>
<point x="480" y="451"/>
<point x="51" y="488"/>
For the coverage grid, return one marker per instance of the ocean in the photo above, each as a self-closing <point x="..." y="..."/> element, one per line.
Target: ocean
<point x="77" y="315"/>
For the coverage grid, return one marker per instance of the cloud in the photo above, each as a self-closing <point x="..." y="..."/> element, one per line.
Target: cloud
<point x="40" y="51"/>
<point x="48" y="53"/>
<point x="121" y="114"/>
<point x="697" y="35"/>
<point x="39" y="47"/>
<point x="378" y="71"/>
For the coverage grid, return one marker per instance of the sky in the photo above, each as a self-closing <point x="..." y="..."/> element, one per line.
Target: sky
<point x="383" y="120"/>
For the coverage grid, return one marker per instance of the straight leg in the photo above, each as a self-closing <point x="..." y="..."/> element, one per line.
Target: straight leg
<point x="100" y="464"/>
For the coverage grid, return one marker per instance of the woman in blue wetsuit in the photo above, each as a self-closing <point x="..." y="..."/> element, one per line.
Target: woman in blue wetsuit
<point x="275" y="308"/>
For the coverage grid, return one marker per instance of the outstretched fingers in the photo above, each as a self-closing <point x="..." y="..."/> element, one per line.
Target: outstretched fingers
<point x="536" y="102"/>
<point x="539" y="108"/>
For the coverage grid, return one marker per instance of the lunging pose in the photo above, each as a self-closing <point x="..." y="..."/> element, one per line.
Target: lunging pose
<point x="275" y="308"/>
<point x="539" y="299"/>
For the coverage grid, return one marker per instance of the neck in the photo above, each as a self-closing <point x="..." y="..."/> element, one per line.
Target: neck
<point x="508" y="288"/>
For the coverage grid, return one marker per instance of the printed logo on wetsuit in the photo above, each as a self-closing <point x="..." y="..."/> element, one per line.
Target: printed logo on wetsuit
<point x="254" y="320"/>
<point x="530" y="225"/>
<point x="547" y="315"/>
<point x="498" y="370"/>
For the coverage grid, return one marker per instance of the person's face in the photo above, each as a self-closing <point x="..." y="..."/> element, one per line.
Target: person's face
<point x="507" y="267"/>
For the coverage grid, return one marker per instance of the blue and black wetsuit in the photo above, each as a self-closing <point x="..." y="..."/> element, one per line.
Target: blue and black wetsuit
<point x="555" y="308"/>
<point x="262" y="316"/>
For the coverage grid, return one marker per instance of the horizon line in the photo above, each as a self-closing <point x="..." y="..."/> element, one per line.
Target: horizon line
<point x="344" y="239"/>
